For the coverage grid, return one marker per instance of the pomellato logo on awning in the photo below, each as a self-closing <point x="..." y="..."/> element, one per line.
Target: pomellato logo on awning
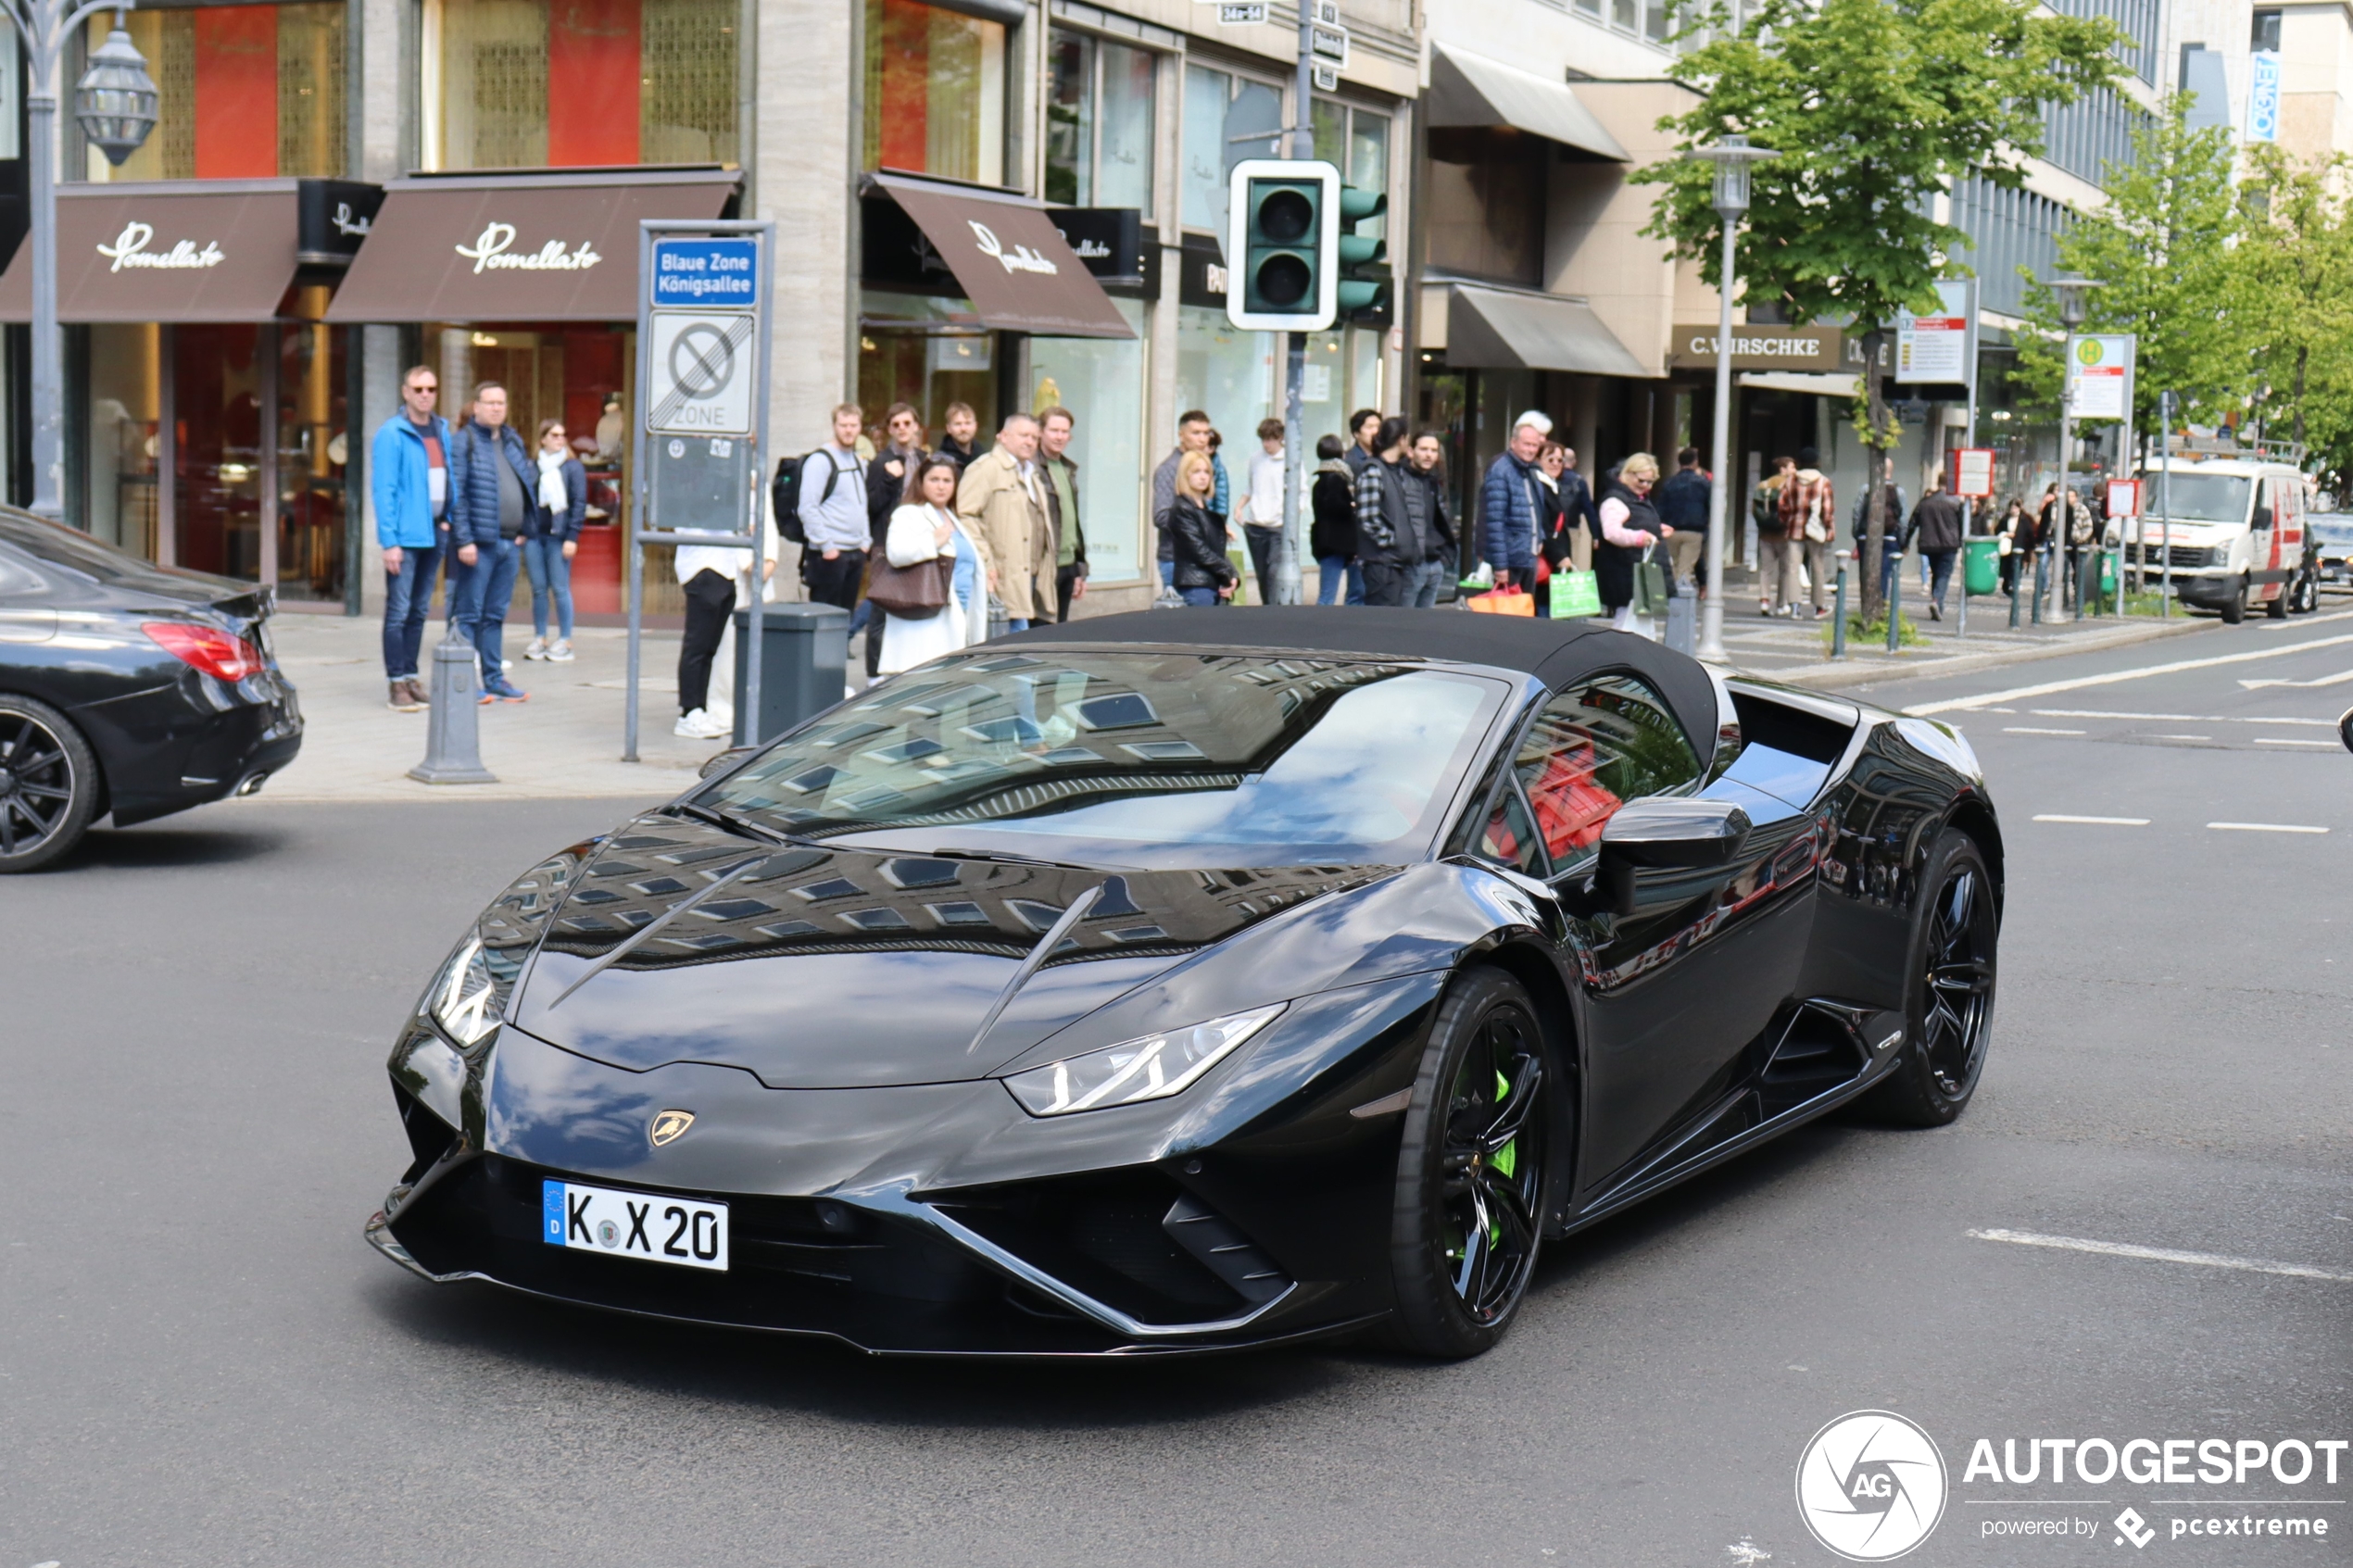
<point x="129" y="249"/>
<point x="491" y="253"/>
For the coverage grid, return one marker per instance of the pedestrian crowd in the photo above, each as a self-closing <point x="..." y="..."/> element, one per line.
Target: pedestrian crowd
<point x="476" y="504"/>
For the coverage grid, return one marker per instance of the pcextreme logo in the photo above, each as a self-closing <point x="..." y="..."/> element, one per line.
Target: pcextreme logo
<point x="1870" y="1486"/>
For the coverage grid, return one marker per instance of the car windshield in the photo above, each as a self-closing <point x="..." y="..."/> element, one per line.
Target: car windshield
<point x="1144" y="760"/>
<point x="2197" y="497"/>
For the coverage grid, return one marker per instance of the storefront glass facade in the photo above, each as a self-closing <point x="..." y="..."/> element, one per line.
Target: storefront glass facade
<point x="1101" y="381"/>
<point x="587" y="83"/>
<point x="248" y="92"/>
<point x="1224" y="114"/>
<point x="935" y="92"/>
<point x="929" y="352"/>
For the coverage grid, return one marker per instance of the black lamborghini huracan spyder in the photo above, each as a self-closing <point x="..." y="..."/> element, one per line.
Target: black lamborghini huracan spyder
<point x="1184" y="982"/>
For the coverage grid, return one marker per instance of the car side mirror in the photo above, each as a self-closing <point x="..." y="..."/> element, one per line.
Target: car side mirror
<point x="1666" y="834"/>
<point x="2345" y="728"/>
<point x="2263" y="518"/>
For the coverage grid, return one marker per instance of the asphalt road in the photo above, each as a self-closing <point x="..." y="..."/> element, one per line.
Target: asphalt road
<point x="202" y="1363"/>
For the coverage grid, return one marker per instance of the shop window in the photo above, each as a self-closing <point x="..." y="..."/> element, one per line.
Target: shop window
<point x="929" y="351"/>
<point x="1099" y="123"/>
<point x="247" y="92"/>
<point x="1232" y="374"/>
<point x="1225" y="116"/>
<point x="589" y="83"/>
<point x="1101" y="381"/>
<point x="935" y="92"/>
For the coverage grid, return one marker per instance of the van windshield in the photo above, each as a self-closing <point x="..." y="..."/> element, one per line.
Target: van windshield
<point x="2197" y="497"/>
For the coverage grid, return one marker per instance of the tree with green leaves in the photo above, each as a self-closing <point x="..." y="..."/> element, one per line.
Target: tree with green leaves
<point x="2161" y="250"/>
<point x="1875" y="106"/>
<point x="2294" y="264"/>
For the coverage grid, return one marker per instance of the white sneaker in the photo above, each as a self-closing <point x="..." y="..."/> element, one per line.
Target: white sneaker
<point x="538" y="648"/>
<point x="699" y="725"/>
<point x="561" y="651"/>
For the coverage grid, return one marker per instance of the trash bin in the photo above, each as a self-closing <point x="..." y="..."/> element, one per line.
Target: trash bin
<point x="1980" y="565"/>
<point x="805" y="648"/>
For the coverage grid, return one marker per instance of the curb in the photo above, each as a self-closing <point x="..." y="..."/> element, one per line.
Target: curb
<point x="1844" y="675"/>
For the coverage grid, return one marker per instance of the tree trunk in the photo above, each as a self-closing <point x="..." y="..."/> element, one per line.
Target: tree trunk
<point x="2302" y="352"/>
<point x="1881" y="464"/>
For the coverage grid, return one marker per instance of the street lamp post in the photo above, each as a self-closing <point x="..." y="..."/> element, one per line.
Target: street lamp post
<point x="2070" y="290"/>
<point x="1731" y="155"/>
<point x="115" y="102"/>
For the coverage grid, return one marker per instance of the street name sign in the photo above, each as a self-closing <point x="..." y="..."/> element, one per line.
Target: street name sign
<point x="1328" y="43"/>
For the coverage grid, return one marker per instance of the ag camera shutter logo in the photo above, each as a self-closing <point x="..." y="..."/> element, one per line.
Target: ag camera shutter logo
<point x="1870" y="1486"/>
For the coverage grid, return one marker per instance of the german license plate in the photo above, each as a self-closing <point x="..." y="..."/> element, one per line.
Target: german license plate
<point x="688" y="1232"/>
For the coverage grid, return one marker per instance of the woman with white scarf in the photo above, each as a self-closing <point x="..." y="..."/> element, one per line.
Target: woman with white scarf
<point x="552" y="538"/>
<point x="926" y="529"/>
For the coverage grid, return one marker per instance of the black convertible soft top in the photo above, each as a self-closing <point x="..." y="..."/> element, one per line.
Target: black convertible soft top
<point x="1553" y="651"/>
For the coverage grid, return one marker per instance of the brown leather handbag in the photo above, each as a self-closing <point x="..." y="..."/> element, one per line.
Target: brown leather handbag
<point x="914" y="591"/>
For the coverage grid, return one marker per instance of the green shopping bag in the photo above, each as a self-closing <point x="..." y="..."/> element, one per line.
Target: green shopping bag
<point x="1650" y="589"/>
<point x="1575" y="594"/>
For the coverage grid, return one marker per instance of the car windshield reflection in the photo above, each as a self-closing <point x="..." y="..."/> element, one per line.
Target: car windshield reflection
<point x="1133" y="758"/>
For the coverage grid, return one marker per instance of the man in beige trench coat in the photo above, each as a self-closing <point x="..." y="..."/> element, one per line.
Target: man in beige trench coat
<point x="1003" y="498"/>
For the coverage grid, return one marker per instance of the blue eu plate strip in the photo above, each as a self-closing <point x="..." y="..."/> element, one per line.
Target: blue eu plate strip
<point x="552" y="1212"/>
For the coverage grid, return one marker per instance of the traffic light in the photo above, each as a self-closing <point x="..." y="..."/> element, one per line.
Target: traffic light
<point x="1364" y="271"/>
<point x="1282" y="259"/>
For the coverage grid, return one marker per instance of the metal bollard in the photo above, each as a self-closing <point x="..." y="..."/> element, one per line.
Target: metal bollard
<point x="1838" y="610"/>
<point x="2042" y="568"/>
<point x="1894" y="580"/>
<point x="453" y="737"/>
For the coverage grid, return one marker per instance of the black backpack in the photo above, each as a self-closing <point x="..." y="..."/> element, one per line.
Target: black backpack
<point x="784" y="493"/>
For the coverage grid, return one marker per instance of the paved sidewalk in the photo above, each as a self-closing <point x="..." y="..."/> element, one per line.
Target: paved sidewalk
<point x="1799" y="651"/>
<point x="564" y="742"/>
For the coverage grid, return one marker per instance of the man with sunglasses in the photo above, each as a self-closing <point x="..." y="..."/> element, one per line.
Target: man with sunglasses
<point x="408" y="474"/>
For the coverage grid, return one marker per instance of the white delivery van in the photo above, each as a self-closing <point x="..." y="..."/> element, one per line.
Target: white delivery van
<point x="2236" y="537"/>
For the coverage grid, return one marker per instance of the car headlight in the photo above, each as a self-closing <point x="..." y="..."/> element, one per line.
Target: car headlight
<point x="468" y="997"/>
<point x="1151" y="1068"/>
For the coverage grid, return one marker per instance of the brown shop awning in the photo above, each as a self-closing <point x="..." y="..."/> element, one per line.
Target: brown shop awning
<point x="179" y="250"/>
<point x="518" y="248"/>
<point x="1009" y="258"/>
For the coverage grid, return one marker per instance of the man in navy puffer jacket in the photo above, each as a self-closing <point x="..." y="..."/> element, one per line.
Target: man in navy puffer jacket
<point x="492" y="505"/>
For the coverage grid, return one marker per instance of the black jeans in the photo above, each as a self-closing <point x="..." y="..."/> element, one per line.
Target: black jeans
<point x="710" y="598"/>
<point x="1261" y="543"/>
<point x="1385" y="583"/>
<point x="836" y="582"/>
<point x="1063" y="577"/>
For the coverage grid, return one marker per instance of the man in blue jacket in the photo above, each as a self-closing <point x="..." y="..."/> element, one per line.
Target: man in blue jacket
<point x="491" y="506"/>
<point x="1510" y="507"/>
<point x="409" y="475"/>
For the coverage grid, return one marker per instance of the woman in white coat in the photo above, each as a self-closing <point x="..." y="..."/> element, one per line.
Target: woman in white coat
<point x="926" y="530"/>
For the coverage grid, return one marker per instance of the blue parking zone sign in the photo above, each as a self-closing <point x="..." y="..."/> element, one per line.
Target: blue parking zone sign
<point x="725" y="273"/>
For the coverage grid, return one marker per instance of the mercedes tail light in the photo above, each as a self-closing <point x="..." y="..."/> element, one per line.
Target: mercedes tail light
<point x="218" y="654"/>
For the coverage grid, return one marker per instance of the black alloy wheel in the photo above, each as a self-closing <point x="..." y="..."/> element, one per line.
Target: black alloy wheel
<point x="1471" y="1170"/>
<point x="2276" y="609"/>
<point x="1949" y="1014"/>
<point x="48" y="784"/>
<point x="2234" y="608"/>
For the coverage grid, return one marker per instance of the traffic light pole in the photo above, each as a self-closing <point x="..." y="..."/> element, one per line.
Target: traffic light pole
<point x="1291" y="544"/>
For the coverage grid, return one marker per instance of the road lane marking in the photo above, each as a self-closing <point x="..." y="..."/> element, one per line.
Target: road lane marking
<point x="2337" y="680"/>
<point x="2181" y="738"/>
<point x="2097" y="821"/>
<point x="2264" y="827"/>
<point x="2030" y="730"/>
<point x="2159" y="1254"/>
<point x="2316" y="724"/>
<point x="2104" y="713"/>
<point x="2283" y="740"/>
<point x="2114" y="677"/>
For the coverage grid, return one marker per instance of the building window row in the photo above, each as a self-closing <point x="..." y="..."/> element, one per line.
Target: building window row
<point x="2008" y="229"/>
<point x="2137" y="20"/>
<point x="2088" y="135"/>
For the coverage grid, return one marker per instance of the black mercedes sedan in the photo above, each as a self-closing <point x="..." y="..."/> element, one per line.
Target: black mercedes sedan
<point x="1183" y="981"/>
<point x="127" y="689"/>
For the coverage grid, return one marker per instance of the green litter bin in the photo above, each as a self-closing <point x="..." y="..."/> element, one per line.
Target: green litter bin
<point x="1982" y="565"/>
<point x="2108" y="574"/>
